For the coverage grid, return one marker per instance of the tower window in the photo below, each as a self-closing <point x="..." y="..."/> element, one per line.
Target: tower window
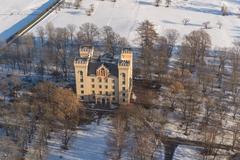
<point x="82" y="92"/>
<point x="92" y="79"/>
<point x="93" y="86"/>
<point x="81" y="73"/>
<point x="82" y="86"/>
<point x="100" y="86"/>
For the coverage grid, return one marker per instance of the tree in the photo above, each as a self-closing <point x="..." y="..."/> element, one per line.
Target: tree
<point x="67" y="113"/>
<point x="157" y="2"/>
<point x="113" y="43"/>
<point x="118" y="137"/>
<point x="77" y="3"/>
<point x="147" y="37"/>
<point x="88" y="33"/>
<point x="71" y="29"/>
<point x="168" y="3"/>
<point x="41" y="34"/>
<point x="171" y="35"/>
<point x="197" y="43"/>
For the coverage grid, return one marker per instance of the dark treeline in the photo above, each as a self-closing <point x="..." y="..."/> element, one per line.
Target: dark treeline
<point x="52" y="50"/>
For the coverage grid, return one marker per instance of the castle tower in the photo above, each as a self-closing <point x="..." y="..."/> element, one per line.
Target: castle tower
<point x="125" y="76"/>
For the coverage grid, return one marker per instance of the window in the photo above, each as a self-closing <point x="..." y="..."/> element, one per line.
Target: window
<point x="81" y="73"/>
<point x="81" y="85"/>
<point x="93" y="92"/>
<point x="106" y="80"/>
<point x="107" y="93"/>
<point x="123" y="76"/>
<point x="92" y="79"/>
<point x="82" y="92"/>
<point x="113" y="99"/>
<point x="123" y="94"/>
<point x="100" y="92"/>
<point x="113" y="81"/>
<point x="99" y="80"/>
<point x="113" y="93"/>
<point x="123" y="82"/>
<point x="100" y="86"/>
<point x="113" y="87"/>
<point x="106" y="87"/>
<point x="123" y="88"/>
<point x="81" y="80"/>
<point x="124" y="100"/>
<point x="82" y="97"/>
<point x="93" y="86"/>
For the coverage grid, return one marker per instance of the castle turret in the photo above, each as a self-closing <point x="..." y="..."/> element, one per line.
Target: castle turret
<point x="86" y="51"/>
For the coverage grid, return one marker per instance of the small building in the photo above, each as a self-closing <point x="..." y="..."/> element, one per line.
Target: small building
<point x="103" y="80"/>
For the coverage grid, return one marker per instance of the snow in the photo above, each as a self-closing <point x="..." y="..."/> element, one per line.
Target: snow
<point x="125" y="15"/>
<point x="89" y="143"/>
<point x="183" y="152"/>
<point x="14" y="15"/>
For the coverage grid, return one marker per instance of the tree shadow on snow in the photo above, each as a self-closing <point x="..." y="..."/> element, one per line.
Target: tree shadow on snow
<point x="205" y="10"/>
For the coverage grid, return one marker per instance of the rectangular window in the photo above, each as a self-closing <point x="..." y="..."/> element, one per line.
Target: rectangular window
<point x="93" y="92"/>
<point x="123" y="82"/>
<point x="113" y="93"/>
<point x="113" y="98"/>
<point x="106" y="87"/>
<point x="124" y="100"/>
<point x="123" y="94"/>
<point x="107" y="93"/>
<point x="106" y="80"/>
<point x="93" y="86"/>
<point x="82" y="97"/>
<point x="92" y="79"/>
<point x="82" y="92"/>
<point x="81" y="80"/>
<point x="123" y="88"/>
<point x="100" y="92"/>
<point x="113" y="81"/>
<point x="99" y="80"/>
<point x="113" y="87"/>
<point x="100" y="86"/>
<point x="81" y="85"/>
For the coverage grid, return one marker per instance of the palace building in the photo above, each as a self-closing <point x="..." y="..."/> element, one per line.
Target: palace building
<point x="103" y="80"/>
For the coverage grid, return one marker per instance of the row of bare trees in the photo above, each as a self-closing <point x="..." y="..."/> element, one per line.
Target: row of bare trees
<point x="29" y="120"/>
<point x="52" y="50"/>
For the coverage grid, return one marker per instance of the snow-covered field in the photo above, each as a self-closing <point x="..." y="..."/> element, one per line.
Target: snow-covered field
<point x="125" y="15"/>
<point x="15" y="14"/>
<point x="89" y="143"/>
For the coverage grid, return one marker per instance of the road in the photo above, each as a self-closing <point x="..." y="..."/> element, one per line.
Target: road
<point x="31" y="24"/>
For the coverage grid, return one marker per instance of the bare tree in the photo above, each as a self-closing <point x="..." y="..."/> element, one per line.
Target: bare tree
<point x="88" y="33"/>
<point x="172" y="35"/>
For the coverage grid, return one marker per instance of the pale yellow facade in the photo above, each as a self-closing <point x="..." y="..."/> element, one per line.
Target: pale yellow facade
<point x="103" y="81"/>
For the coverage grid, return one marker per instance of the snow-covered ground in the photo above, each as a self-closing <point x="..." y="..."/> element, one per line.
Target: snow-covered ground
<point x="15" y="14"/>
<point x="89" y="143"/>
<point x="125" y="15"/>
